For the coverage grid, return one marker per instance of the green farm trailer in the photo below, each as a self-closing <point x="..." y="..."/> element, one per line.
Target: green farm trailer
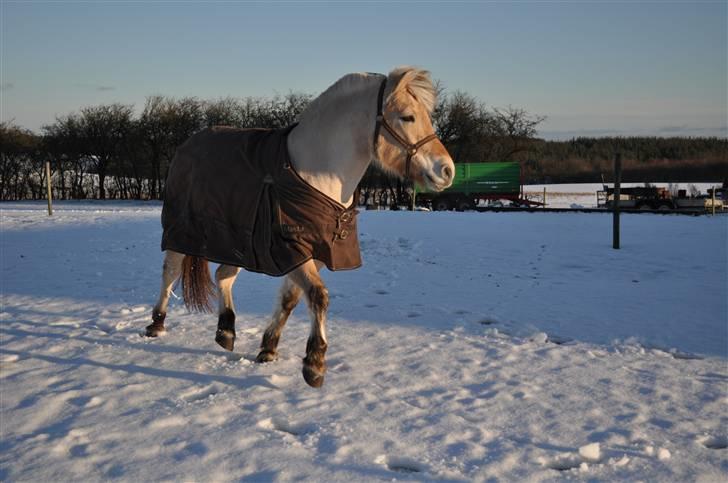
<point x="490" y="182"/>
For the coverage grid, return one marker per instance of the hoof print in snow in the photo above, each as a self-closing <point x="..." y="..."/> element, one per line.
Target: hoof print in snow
<point x="284" y="426"/>
<point x="562" y="463"/>
<point x="197" y="394"/>
<point x="714" y="442"/>
<point x="559" y="340"/>
<point x="685" y="356"/>
<point x="487" y="322"/>
<point x="381" y="292"/>
<point x="401" y="465"/>
<point x="590" y="453"/>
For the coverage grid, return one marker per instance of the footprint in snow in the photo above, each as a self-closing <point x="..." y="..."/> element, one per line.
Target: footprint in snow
<point x="590" y="453"/>
<point x="714" y="442"/>
<point x="197" y="394"/>
<point x="401" y="464"/>
<point x="285" y="426"/>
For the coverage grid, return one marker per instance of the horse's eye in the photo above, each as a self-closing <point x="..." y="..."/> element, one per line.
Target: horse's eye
<point x="408" y="118"/>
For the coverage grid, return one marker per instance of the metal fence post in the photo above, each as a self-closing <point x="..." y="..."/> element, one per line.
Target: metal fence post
<point x="616" y="200"/>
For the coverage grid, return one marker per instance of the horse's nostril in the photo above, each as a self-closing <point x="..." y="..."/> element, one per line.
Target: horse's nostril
<point x="447" y="173"/>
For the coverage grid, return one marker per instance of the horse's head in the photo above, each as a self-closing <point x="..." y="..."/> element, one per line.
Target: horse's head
<point x="406" y="144"/>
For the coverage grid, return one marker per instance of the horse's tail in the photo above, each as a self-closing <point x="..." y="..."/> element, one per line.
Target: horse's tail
<point x="197" y="286"/>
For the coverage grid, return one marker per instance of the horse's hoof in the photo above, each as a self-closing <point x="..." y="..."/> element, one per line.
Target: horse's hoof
<point x="266" y="356"/>
<point x="225" y="339"/>
<point x="153" y="330"/>
<point x="312" y="377"/>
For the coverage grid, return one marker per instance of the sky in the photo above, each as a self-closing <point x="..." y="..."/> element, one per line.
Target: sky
<point x="592" y="68"/>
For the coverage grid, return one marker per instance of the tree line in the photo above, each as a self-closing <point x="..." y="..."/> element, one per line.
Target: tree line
<point x="109" y="151"/>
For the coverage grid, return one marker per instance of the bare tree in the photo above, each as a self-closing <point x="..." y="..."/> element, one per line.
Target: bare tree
<point x="18" y="153"/>
<point x="166" y="123"/>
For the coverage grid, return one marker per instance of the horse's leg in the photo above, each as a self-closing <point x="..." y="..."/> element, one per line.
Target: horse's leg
<point x="171" y="270"/>
<point x="314" y="364"/>
<point x="225" y="335"/>
<point x="288" y="297"/>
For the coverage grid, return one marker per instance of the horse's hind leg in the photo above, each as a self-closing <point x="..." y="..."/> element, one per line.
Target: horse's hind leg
<point x="314" y="364"/>
<point x="288" y="297"/>
<point x="171" y="270"/>
<point x="225" y="335"/>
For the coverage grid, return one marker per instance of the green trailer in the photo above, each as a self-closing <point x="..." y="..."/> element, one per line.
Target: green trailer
<point x="474" y="182"/>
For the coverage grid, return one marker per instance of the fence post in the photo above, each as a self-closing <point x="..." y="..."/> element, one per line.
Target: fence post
<point x="48" y="184"/>
<point x="544" y="197"/>
<point x="712" y="205"/>
<point x="616" y="200"/>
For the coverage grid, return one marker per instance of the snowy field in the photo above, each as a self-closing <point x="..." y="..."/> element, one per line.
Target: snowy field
<point x="470" y="347"/>
<point x="584" y="195"/>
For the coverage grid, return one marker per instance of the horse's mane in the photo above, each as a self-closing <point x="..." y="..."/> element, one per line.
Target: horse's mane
<point x="345" y="85"/>
<point x="419" y="84"/>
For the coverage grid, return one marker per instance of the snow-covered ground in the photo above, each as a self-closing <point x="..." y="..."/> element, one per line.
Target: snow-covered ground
<point x="470" y="347"/>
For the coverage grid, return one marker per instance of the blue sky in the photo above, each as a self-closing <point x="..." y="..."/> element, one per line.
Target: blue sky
<point x="594" y="68"/>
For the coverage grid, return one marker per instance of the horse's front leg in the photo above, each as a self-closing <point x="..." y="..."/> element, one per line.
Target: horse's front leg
<point x="288" y="297"/>
<point x="314" y="364"/>
<point x="171" y="270"/>
<point x="225" y="335"/>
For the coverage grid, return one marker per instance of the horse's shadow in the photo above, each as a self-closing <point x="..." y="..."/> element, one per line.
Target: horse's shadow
<point x="239" y="383"/>
<point x="144" y="344"/>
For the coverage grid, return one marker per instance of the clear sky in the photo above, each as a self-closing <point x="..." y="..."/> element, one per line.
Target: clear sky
<point x="594" y="68"/>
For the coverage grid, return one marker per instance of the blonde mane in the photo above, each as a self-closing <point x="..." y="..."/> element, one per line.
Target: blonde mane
<point x="418" y="83"/>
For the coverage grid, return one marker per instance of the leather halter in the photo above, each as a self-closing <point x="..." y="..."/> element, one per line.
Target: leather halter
<point x="410" y="148"/>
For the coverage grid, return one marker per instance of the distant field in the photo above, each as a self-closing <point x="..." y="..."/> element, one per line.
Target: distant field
<point x="585" y="194"/>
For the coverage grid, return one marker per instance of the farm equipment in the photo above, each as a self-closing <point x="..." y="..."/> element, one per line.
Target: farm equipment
<point x="661" y="199"/>
<point x="475" y="182"/>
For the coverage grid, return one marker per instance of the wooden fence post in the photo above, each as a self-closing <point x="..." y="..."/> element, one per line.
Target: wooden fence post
<point x="544" y="197"/>
<point x="616" y="200"/>
<point x="48" y="184"/>
<point x="712" y="205"/>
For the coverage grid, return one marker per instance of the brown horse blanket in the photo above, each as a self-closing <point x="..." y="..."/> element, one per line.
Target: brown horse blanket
<point x="233" y="197"/>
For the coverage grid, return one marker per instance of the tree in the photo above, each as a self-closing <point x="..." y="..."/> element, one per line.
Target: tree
<point x="165" y="123"/>
<point x="103" y="131"/>
<point x="19" y="151"/>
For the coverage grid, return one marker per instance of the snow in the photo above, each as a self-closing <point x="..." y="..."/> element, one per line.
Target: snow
<point x="470" y="347"/>
<point x="584" y="195"/>
<point x="590" y="452"/>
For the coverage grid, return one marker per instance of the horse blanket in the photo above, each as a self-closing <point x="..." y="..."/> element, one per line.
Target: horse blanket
<point x="233" y="197"/>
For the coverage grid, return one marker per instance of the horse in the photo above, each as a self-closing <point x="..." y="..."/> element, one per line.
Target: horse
<point x="361" y="118"/>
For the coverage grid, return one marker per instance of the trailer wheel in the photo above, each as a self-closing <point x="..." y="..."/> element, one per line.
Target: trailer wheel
<point x="464" y="205"/>
<point x="441" y="204"/>
<point x="664" y="207"/>
<point x="644" y="206"/>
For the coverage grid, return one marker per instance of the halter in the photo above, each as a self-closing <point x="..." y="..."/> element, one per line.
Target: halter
<point x="410" y="149"/>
